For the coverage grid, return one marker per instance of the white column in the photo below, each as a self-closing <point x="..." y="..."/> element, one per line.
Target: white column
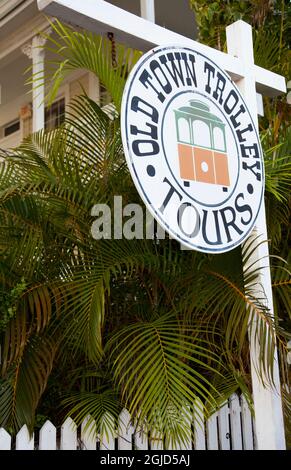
<point x="267" y="399"/>
<point x="34" y="50"/>
<point x="37" y="93"/>
<point x="147" y="10"/>
<point x="94" y="87"/>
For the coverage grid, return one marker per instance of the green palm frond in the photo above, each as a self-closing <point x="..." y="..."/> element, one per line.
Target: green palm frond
<point x="23" y="385"/>
<point x="161" y="367"/>
<point x="278" y="170"/>
<point x="139" y="323"/>
<point x="277" y="200"/>
<point x="248" y="315"/>
<point x="98" y="406"/>
<point x="75" y="50"/>
<point x="97" y="140"/>
<point x="270" y="53"/>
<point x="32" y="315"/>
<point x="281" y="276"/>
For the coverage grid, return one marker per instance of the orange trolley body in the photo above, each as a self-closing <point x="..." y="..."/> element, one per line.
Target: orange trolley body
<point x="201" y="146"/>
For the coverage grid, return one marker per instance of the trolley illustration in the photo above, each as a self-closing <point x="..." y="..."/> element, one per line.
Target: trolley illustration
<point x="201" y="145"/>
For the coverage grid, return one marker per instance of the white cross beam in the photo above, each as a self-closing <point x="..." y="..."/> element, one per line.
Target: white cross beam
<point x="101" y="17"/>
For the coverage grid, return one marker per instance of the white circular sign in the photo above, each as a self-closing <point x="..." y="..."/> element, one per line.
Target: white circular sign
<point x="192" y="149"/>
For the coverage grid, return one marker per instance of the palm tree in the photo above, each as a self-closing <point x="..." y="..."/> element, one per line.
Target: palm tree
<point x="106" y="324"/>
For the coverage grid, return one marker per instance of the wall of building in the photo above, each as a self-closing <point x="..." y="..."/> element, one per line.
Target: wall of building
<point x="20" y="107"/>
<point x="19" y="23"/>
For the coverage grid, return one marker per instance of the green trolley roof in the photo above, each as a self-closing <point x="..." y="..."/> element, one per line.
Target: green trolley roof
<point x="200" y="110"/>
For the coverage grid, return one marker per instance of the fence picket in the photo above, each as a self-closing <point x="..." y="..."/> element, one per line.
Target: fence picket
<point x="125" y="431"/>
<point x="235" y="422"/>
<point x="69" y="435"/>
<point x="247" y="428"/>
<point x="156" y="441"/>
<point x="23" y="440"/>
<point x="47" y="437"/>
<point x="230" y="427"/>
<point x="88" y="434"/>
<point x="199" y="426"/>
<point x="5" y="440"/>
<point x="211" y="432"/>
<point x="186" y="442"/>
<point x="107" y="434"/>
<point x="141" y="441"/>
<point x="223" y="427"/>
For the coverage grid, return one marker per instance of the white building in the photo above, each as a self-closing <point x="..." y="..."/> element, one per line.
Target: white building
<point x="21" y="112"/>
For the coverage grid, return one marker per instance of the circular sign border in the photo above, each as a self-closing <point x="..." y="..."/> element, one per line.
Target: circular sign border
<point x="131" y="165"/>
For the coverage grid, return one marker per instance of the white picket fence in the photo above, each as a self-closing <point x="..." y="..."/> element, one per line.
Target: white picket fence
<point x="230" y="428"/>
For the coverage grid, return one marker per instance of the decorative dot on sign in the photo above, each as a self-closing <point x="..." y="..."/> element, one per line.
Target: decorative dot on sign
<point x="250" y="188"/>
<point x="204" y="167"/>
<point x="151" y="170"/>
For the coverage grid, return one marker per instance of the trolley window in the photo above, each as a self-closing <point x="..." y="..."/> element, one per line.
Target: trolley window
<point x="184" y="131"/>
<point x="201" y="133"/>
<point x="218" y="138"/>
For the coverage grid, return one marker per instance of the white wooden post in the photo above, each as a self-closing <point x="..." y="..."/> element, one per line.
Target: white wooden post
<point x="267" y="400"/>
<point x="147" y="9"/>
